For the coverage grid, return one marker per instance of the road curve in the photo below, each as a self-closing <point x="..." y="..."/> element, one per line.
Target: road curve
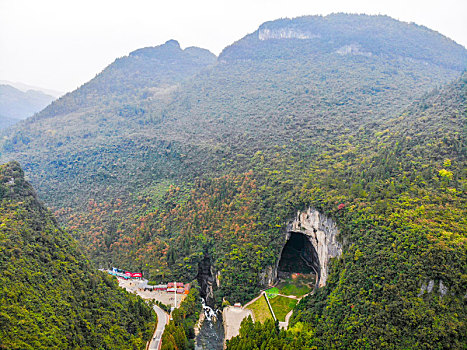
<point x="162" y="319"/>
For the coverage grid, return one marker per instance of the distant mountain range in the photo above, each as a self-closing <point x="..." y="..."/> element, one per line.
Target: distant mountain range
<point x="25" y="87"/>
<point x="16" y="105"/>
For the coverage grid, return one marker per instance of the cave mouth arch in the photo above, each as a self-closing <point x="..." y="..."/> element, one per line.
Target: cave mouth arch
<point x="298" y="256"/>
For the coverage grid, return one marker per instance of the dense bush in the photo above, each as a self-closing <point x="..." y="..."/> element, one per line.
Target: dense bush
<point x="179" y="333"/>
<point x="51" y="296"/>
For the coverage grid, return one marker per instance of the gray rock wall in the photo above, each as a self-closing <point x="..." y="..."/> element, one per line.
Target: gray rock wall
<point x="285" y="33"/>
<point x="322" y="232"/>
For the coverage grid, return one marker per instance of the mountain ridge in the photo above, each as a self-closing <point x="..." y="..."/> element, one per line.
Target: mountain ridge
<point x="218" y="116"/>
<point x="203" y="174"/>
<point x="335" y="31"/>
<point x="25" y="87"/>
<point x="51" y="295"/>
<point x="162" y="67"/>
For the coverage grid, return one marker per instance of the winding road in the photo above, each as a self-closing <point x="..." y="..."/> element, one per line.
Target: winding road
<point x="162" y="319"/>
<point x="162" y="316"/>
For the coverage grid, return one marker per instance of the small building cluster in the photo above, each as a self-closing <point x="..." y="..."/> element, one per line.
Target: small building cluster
<point x="125" y="274"/>
<point x="173" y="287"/>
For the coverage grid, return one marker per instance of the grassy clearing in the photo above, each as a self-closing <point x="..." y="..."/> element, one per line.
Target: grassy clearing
<point x="290" y="289"/>
<point x="272" y="292"/>
<point x="281" y="306"/>
<point x="260" y="309"/>
<point x="298" y="286"/>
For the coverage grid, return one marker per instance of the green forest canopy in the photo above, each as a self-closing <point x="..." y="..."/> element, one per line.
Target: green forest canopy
<point x="51" y="296"/>
<point x="213" y="161"/>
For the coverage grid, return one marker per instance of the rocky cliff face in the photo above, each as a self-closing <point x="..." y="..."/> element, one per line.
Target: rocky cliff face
<point x="322" y="233"/>
<point x="268" y="276"/>
<point x="285" y="33"/>
<point x="207" y="277"/>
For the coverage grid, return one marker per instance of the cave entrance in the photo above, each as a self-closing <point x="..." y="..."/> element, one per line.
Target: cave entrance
<point x="298" y="256"/>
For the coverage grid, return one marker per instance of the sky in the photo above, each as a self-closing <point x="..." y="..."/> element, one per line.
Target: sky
<point x="61" y="44"/>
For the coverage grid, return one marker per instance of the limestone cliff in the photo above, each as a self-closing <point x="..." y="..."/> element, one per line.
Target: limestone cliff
<point x="322" y="233"/>
<point x="285" y="33"/>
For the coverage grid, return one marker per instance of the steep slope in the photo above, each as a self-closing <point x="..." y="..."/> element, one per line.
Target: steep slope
<point x="199" y="182"/>
<point x="103" y="124"/>
<point x="407" y="223"/>
<point x="399" y="197"/>
<point x="51" y="296"/>
<point x="147" y="73"/>
<point x="356" y="35"/>
<point x="16" y="105"/>
<point x="116" y="145"/>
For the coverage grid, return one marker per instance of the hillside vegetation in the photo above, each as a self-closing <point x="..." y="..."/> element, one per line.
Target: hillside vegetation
<point x="51" y="296"/>
<point x="178" y="116"/>
<point x="342" y="113"/>
<point x="404" y="221"/>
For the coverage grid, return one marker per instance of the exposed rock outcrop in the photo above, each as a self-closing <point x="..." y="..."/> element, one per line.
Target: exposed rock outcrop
<point x="207" y="280"/>
<point x="322" y="232"/>
<point x="353" y="49"/>
<point x="443" y="290"/>
<point x="429" y="287"/>
<point x="268" y="276"/>
<point x="285" y="33"/>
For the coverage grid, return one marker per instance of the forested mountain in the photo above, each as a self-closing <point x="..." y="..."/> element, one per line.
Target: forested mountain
<point x="145" y="74"/>
<point x="51" y="296"/>
<point x="403" y="213"/>
<point x="193" y="160"/>
<point x="359" y="35"/>
<point x="16" y="105"/>
<point x="111" y="138"/>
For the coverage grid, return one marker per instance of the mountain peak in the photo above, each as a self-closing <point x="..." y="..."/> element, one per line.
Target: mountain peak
<point x="340" y="33"/>
<point x="166" y="50"/>
<point x="172" y="43"/>
<point x="145" y="68"/>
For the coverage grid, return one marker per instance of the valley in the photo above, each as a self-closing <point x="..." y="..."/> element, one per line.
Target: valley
<point x="308" y="184"/>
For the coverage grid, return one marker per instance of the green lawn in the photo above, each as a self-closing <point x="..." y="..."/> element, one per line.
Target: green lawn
<point x="281" y="306"/>
<point x="272" y="292"/>
<point x="260" y="309"/>
<point x="298" y="286"/>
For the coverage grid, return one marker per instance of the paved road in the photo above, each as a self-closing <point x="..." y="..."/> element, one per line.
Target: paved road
<point x="162" y="319"/>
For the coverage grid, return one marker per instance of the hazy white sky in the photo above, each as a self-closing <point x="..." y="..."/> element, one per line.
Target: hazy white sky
<point x="61" y="44"/>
